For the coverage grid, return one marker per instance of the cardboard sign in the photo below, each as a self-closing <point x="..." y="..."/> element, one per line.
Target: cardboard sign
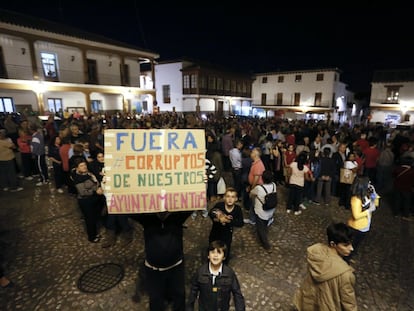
<point x="149" y="171"/>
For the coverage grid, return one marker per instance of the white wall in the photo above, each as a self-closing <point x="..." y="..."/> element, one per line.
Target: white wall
<point x="169" y="74"/>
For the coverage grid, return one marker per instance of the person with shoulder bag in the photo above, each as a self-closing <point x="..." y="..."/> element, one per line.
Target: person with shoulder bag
<point x="89" y="194"/>
<point x="264" y="217"/>
<point x="364" y="201"/>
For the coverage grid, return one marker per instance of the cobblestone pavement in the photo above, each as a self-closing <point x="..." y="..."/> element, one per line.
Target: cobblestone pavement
<point x="44" y="250"/>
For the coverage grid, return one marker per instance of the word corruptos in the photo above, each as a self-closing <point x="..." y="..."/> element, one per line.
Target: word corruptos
<point x="153" y="202"/>
<point x="165" y="162"/>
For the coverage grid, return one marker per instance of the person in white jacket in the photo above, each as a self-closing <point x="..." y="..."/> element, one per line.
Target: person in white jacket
<point x="264" y="218"/>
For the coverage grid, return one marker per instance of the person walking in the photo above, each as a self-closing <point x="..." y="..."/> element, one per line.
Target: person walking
<point x="298" y="172"/>
<point x="263" y="217"/>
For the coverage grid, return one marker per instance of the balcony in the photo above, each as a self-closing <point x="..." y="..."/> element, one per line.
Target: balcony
<point x="19" y="72"/>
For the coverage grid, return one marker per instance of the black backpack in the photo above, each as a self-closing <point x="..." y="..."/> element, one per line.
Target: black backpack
<point x="270" y="201"/>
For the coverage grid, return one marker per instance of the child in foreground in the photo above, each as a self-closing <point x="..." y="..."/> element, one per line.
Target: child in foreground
<point x="214" y="282"/>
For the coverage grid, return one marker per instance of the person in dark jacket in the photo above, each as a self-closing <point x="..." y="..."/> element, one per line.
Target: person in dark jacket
<point x="89" y="194"/>
<point x="225" y="216"/>
<point x="326" y="176"/>
<point x="164" y="259"/>
<point x="214" y="283"/>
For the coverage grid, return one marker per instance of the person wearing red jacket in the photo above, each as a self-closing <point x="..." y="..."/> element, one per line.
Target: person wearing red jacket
<point x="372" y="155"/>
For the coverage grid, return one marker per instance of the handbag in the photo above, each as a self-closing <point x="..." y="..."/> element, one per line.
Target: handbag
<point x="221" y="186"/>
<point x="346" y="176"/>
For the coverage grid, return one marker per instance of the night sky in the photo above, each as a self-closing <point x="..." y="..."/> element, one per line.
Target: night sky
<point x="252" y="38"/>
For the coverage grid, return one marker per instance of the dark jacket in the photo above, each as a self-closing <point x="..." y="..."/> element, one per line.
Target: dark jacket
<point x="217" y="297"/>
<point x="327" y="167"/>
<point x="163" y="235"/>
<point x="225" y="232"/>
<point x="85" y="184"/>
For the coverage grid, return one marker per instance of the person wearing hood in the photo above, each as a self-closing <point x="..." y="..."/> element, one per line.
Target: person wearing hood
<point x="330" y="281"/>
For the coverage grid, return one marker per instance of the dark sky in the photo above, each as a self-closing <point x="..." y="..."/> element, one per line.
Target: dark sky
<point x="250" y="38"/>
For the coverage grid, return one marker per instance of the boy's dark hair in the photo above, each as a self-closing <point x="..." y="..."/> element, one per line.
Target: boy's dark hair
<point x="267" y="177"/>
<point x="339" y="233"/>
<point x="218" y="244"/>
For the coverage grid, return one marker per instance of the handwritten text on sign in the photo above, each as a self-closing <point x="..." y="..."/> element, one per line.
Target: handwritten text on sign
<point x="154" y="170"/>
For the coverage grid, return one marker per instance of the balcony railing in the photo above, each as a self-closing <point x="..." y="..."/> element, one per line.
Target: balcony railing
<point x="19" y="72"/>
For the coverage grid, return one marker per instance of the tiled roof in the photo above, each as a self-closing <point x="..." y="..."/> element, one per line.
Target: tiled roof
<point x="19" y="19"/>
<point x="394" y="75"/>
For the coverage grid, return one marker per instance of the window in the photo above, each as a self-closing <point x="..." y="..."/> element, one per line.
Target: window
<point x="264" y="80"/>
<point x="54" y="105"/>
<point x="318" y="99"/>
<point x="194" y="82"/>
<point x="279" y="99"/>
<point x="92" y="72"/>
<point x="393" y="93"/>
<point x="125" y="74"/>
<point x="49" y="65"/>
<point x="211" y="82"/>
<point x="296" y="99"/>
<point x="319" y="77"/>
<point x="203" y="82"/>
<point x="233" y="86"/>
<point x="280" y="79"/>
<point x="166" y="94"/>
<point x="186" y="81"/>
<point x="220" y="84"/>
<point x="298" y="78"/>
<point x="7" y="105"/>
<point x="96" y="105"/>
<point x="227" y="85"/>
<point x="3" y="71"/>
<point x="264" y="99"/>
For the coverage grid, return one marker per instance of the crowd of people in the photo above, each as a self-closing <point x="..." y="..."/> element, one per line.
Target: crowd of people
<point x="315" y="160"/>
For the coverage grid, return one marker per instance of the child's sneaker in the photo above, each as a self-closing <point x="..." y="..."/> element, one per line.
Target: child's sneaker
<point x="297" y="213"/>
<point x="302" y="206"/>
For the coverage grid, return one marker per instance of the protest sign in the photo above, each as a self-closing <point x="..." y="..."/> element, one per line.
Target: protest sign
<point x="149" y="171"/>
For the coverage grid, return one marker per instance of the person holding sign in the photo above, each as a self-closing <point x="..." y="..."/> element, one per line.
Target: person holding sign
<point x="164" y="258"/>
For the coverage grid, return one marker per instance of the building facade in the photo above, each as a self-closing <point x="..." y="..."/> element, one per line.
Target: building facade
<point x="189" y="86"/>
<point x="392" y="97"/>
<point x="50" y="68"/>
<point x="316" y="94"/>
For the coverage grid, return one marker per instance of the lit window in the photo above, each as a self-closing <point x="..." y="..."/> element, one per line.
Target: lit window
<point x="393" y="93"/>
<point x="49" y="65"/>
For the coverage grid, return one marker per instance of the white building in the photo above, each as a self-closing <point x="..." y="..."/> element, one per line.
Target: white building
<point x="191" y="86"/>
<point x="392" y="97"/>
<point x="46" y="67"/>
<point x="316" y="94"/>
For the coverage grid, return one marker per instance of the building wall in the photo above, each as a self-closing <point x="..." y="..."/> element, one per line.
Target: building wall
<point x="169" y="74"/>
<point x="307" y="88"/>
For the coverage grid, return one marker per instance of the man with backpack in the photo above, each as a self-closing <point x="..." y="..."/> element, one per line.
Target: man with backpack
<point x="261" y="196"/>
